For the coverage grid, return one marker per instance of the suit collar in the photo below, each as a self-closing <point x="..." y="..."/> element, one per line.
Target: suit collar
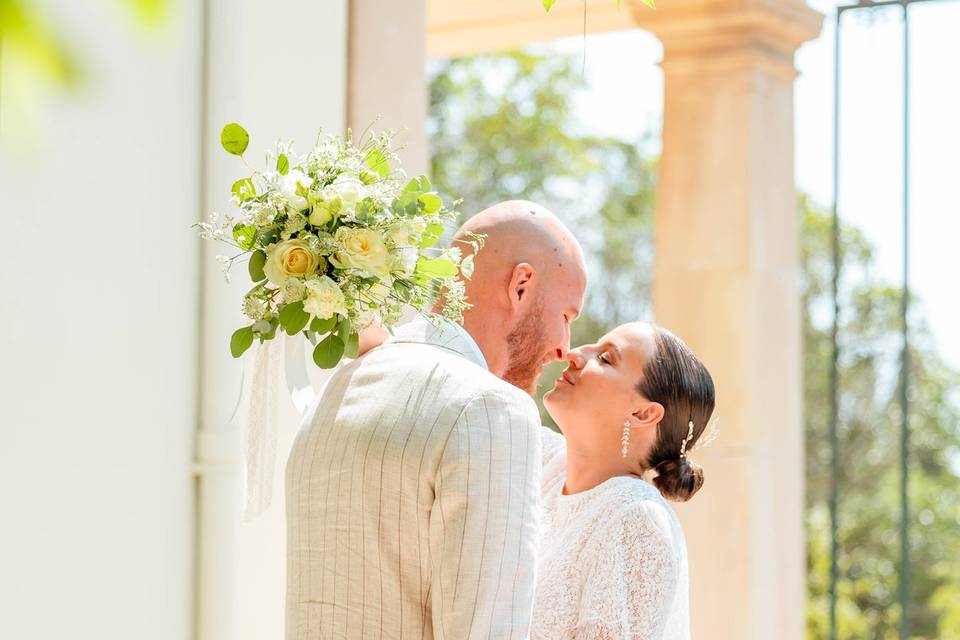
<point x="445" y="335"/>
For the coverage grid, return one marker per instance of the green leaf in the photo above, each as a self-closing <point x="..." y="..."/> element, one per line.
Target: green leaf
<point x="245" y="235"/>
<point x="344" y="329"/>
<point x="431" y="235"/>
<point x="240" y="341"/>
<point x="244" y="189"/>
<point x="377" y="162"/>
<point x="283" y="164"/>
<point x="548" y="4"/>
<point x="328" y="353"/>
<point x="293" y="318"/>
<point x="323" y="325"/>
<point x="234" y="139"/>
<point x="436" y="267"/>
<point x="649" y="3"/>
<point x="417" y="185"/>
<point x="269" y="235"/>
<point x="255" y="266"/>
<point x="431" y="202"/>
<point x="352" y="348"/>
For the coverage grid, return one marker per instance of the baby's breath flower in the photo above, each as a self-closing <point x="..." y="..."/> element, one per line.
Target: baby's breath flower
<point x="254" y="308"/>
<point x="294" y="224"/>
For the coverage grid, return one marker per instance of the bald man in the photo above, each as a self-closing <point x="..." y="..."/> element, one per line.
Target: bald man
<point x="413" y="496"/>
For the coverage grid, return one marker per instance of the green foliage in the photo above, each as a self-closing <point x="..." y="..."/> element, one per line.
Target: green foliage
<point x="244" y="189"/>
<point x="516" y="138"/>
<point x="870" y="450"/>
<point x="240" y="341"/>
<point x="283" y="164"/>
<point x="377" y="162"/>
<point x="257" y="261"/>
<point x="328" y="353"/>
<point x="436" y="267"/>
<point x="234" y="139"/>
<point x="432" y="235"/>
<point x="244" y="235"/>
<point x="323" y="325"/>
<point x="293" y="318"/>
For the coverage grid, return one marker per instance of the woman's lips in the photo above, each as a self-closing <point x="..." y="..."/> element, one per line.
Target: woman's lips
<point x="566" y="378"/>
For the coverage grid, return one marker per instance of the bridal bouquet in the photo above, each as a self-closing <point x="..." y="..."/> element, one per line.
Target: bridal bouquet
<point x="336" y="239"/>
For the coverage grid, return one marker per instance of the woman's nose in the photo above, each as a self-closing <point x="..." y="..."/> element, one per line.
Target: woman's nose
<point x="575" y="358"/>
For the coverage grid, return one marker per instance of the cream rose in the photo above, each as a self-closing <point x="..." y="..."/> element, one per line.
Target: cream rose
<point x="324" y="298"/>
<point x="288" y="187"/>
<point x="363" y="250"/>
<point x="290" y="258"/>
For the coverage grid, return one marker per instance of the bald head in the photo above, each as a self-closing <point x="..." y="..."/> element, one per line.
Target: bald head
<point x="522" y="231"/>
<point x="528" y="285"/>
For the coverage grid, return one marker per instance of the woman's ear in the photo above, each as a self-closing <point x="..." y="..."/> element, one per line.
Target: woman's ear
<point x="521" y="281"/>
<point x="650" y="414"/>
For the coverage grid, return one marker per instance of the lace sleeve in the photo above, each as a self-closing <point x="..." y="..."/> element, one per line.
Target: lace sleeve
<point x="553" y="443"/>
<point x="631" y="579"/>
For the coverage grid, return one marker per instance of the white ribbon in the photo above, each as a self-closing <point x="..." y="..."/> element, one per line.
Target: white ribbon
<point x="261" y="402"/>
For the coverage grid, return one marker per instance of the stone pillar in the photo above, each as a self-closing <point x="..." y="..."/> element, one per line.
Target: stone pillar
<point x="387" y="67"/>
<point x="727" y="280"/>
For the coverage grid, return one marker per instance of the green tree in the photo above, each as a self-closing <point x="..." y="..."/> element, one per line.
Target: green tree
<point x="870" y="449"/>
<point x="503" y="126"/>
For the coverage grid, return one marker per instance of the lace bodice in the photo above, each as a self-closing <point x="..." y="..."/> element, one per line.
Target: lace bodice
<point x="613" y="561"/>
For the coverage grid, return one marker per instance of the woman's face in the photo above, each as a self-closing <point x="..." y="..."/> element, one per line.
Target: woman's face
<point x="597" y="391"/>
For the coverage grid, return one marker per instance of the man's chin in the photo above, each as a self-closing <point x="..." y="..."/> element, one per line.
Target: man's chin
<point x="524" y="383"/>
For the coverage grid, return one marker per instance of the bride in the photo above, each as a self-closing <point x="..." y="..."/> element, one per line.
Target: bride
<point x="613" y="560"/>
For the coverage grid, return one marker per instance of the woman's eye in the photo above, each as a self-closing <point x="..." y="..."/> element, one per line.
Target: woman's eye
<point x="603" y="358"/>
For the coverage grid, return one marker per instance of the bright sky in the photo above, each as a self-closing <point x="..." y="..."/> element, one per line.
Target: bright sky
<point x="626" y="94"/>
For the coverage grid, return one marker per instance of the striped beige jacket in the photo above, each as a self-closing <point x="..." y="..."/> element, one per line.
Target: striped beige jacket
<point x="413" y="501"/>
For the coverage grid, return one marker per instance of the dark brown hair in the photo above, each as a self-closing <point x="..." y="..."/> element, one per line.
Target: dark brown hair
<point x="676" y="379"/>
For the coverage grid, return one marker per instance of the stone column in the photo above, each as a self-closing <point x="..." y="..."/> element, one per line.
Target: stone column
<point x="727" y="281"/>
<point x="387" y="67"/>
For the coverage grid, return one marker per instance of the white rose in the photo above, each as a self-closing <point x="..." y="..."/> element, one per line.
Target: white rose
<point x="320" y="214"/>
<point x="350" y="191"/>
<point x="324" y="298"/>
<point x="288" y="187"/>
<point x="363" y="250"/>
<point x="407" y="233"/>
<point x="290" y="258"/>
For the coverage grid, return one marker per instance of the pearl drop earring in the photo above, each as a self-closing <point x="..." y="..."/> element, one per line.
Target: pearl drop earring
<point x="625" y="439"/>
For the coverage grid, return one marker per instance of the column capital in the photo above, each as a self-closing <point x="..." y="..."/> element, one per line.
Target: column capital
<point x="721" y="32"/>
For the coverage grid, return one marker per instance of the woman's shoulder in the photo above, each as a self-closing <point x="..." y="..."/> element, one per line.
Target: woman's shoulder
<point x="634" y="503"/>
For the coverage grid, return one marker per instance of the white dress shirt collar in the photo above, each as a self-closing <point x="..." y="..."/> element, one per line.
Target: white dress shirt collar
<point x="447" y="335"/>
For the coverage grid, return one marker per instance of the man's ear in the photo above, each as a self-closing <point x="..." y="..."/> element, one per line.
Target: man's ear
<point x="521" y="281"/>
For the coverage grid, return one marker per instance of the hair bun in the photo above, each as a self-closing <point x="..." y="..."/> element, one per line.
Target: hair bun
<point x="678" y="479"/>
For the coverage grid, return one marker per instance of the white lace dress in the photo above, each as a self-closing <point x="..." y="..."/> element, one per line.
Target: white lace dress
<point x="613" y="560"/>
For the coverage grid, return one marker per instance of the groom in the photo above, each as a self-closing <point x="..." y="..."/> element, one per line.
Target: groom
<point x="413" y="488"/>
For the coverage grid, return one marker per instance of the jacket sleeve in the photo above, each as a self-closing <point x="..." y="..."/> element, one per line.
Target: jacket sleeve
<point x="485" y="520"/>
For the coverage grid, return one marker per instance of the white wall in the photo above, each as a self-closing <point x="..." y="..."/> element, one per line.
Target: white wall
<point x="98" y="395"/>
<point x="104" y="301"/>
<point x="280" y="70"/>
